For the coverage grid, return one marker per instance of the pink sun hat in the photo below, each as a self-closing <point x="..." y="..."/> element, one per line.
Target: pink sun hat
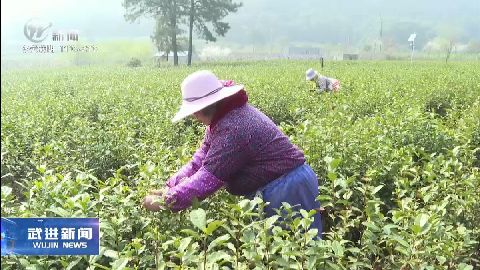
<point x="201" y="89"/>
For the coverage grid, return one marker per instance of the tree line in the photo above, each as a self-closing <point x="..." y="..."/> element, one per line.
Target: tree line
<point x="205" y="17"/>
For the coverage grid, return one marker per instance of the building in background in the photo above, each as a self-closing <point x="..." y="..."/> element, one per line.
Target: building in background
<point x="305" y="53"/>
<point x="160" y="57"/>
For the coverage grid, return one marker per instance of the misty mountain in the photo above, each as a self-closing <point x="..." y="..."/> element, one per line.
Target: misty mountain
<point x="353" y="22"/>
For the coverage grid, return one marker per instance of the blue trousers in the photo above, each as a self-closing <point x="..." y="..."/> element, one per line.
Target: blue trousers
<point x="299" y="188"/>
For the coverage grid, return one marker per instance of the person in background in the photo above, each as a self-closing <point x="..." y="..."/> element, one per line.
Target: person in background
<point x="243" y="151"/>
<point x="323" y="84"/>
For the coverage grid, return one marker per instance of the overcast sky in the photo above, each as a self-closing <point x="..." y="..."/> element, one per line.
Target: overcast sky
<point x="268" y="20"/>
<point x="92" y="18"/>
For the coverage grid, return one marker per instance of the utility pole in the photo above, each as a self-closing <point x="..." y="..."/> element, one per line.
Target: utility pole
<point x="381" y="33"/>
<point x="411" y="39"/>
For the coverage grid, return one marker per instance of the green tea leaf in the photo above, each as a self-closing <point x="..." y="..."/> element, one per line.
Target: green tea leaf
<point x="464" y="266"/>
<point x="213" y="226"/>
<point x="199" y="218"/>
<point x="337" y="248"/>
<point x="72" y="264"/>
<point x="6" y="190"/>
<point x="218" y="241"/>
<point x="271" y="220"/>
<point x="377" y="189"/>
<point x="120" y="264"/>
<point x="184" y="243"/>
<point x="111" y="254"/>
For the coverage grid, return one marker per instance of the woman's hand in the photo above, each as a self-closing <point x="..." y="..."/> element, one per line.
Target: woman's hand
<point x="336" y="86"/>
<point x="155" y="200"/>
<point x="173" y="181"/>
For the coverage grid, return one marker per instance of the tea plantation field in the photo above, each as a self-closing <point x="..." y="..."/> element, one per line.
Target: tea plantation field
<point x="397" y="153"/>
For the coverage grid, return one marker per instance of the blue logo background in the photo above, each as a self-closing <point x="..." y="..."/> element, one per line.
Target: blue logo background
<point x="15" y="236"/>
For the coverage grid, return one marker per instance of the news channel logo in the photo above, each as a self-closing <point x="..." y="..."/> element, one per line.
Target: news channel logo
<point x="50" y="236"/>
<point x="44" y="39"/>
<point x="37" y="30"/>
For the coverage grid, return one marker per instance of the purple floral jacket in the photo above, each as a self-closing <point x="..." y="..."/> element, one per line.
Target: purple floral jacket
<point x="243" y="152"/>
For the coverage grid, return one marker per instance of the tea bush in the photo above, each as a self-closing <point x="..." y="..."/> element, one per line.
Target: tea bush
<point x="396" y="152"/>
<point x="134" y="62"/>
